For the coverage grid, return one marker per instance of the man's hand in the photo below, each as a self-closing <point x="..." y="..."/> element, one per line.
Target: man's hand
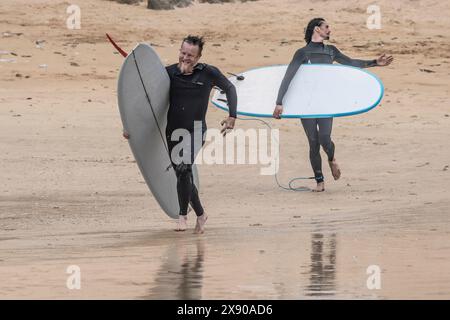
<point x="125" y="134"/>
<point x="226" y="124"/>
<point x="384" y="60"/>
<point x="278" y="111"/>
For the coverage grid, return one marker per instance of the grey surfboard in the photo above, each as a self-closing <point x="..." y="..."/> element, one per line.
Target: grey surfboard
<point x="143" y="98"/>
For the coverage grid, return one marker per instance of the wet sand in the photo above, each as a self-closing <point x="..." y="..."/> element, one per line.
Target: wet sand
<point x="71" y="193"/>
<point x="320" y="256"/>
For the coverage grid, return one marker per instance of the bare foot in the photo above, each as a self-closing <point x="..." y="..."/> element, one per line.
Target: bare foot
<point x="200" y="226"/>
<point x="335" y="169"/>
<point x="182" y="223"/>
<point x="320" y="187"/>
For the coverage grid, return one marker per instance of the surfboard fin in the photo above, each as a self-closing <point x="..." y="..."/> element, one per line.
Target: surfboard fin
<point x="121" y="51"/>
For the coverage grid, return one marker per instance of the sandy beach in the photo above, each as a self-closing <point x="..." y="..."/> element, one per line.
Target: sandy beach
<point x="71" y="193"/>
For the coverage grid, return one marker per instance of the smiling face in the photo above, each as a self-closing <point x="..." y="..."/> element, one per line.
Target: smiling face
<point x="188" y="57"/>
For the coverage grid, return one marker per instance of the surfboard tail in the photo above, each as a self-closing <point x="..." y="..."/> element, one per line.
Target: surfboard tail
<point x="121" y="51"/>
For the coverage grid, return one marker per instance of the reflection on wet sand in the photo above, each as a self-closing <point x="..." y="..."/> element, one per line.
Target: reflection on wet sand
<point x="322" y="274"/>
<point x="180" y="276"/>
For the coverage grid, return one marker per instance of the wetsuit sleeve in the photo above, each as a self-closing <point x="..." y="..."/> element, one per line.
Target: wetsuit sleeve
<point x="343" y="59"/>
<point x="225" y="85"/>
<point x="297" y="60"/>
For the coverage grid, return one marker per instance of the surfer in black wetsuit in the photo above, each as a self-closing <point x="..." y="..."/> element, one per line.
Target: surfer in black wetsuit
<point x="318" y="130"/>
<point x="190" y="86"/>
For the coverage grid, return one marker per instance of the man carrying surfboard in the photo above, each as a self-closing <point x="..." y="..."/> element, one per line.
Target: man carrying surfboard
<point x="191" y="83"/>
<point x="318" y="130"/>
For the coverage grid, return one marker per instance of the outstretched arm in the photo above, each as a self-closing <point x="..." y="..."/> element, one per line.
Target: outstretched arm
<point x="343" y="59"/>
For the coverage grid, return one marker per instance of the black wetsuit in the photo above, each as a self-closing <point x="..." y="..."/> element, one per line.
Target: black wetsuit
<point x="318" y="130"/>
<point x="189" y="98"/>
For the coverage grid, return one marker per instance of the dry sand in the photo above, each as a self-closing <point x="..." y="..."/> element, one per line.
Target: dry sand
<point x="71" y="193"/>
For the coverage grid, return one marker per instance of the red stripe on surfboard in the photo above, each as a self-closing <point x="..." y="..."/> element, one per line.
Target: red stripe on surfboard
<point x="121" y="51"/>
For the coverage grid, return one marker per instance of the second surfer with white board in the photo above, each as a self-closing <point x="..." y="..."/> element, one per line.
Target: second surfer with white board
<point x="318" y="130"/>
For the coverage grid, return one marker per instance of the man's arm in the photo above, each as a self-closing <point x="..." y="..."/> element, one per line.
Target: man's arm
<point x="297" y="60"/>
<point x="343" y="59"/>
<point x="230" y="91"/>
<point x="225" y="85"/>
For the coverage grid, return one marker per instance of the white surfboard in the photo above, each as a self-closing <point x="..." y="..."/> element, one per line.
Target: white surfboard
<point x="316" y="91"/>
<point x="143" y="96"/>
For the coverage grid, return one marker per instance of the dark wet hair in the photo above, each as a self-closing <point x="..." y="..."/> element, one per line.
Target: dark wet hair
<point x="195" y="41"/>
<point x="316" y="22"/>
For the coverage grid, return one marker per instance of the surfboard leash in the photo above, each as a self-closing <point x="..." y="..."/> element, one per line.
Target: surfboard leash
<point x="151" y="107"/>
<point x="290" y="186"/>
